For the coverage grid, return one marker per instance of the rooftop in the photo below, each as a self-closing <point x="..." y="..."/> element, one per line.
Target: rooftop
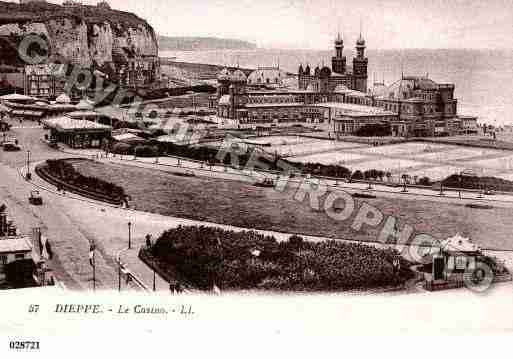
<point x="65" y="123"/>
<point x="458" y="243"/>
<point x="356" y="110"/>
<point x="18" y="244"/>
<point x="260" y="105"/>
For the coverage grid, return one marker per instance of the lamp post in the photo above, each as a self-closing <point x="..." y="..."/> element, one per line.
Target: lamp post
<point x="154" y="278"/>
<point x="459" y="191"/>
<point x="119" y="274"/>
<point x="29" y="176"/>
<point x="129" y="235"/>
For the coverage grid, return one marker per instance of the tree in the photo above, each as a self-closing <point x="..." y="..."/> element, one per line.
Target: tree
<point x="357" y="175"/>
<point x="425" y="181"/>
<point x="121" y="148"/>
<point x="295" y="242"/>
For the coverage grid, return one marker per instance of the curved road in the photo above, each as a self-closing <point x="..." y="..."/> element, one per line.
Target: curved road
<point x="72" y="223"/>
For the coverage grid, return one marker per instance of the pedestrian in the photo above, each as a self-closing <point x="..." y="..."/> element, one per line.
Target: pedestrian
<point x="172" y="287"/>
<point x="178" y="288"/>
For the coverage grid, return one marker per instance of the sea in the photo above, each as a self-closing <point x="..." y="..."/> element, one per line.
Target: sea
<point x="483" y="78"/>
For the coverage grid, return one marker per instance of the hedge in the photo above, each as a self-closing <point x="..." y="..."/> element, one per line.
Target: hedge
<point x="477" y="183"/>
<point x="246" y="259"/>
<point x="65" y="172"/>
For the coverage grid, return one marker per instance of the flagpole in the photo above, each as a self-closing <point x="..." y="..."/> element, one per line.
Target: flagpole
<point x="92" y="261"/>
<point x="94" y="272"/>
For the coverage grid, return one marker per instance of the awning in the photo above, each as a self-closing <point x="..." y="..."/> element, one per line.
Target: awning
<point x="67" y="124"/>
<point x="81" y="114"/>
<point x="17" y="97"/>
<point x="27" y="113"/>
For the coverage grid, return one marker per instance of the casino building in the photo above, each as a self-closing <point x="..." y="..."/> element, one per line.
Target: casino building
<point x="326" y="80"/>
<point x="337" y="101"/>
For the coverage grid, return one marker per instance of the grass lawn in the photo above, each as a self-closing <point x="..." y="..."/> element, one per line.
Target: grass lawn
<point x="238" y="204"/>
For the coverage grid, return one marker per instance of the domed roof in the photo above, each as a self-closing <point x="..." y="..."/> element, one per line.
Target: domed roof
<point x="405" y="88"/>
<point x="341" y="89"/>
<point x="268" y="75"/>
<point x="63" y="99"/>
<point x="379" y="90"/>
<point x="224" y="75"/>
<point x="238" y="76"/>
<point x="325" y="72"/>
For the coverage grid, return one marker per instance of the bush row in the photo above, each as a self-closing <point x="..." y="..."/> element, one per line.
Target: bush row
<point x="242" y="260"/>
<point x="210" y="155"/>
<point x="478" y="183"/>
<point x="65" y="172"/>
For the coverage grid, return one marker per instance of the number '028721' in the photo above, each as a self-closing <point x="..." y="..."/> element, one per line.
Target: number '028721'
<point x="23" y="345"/>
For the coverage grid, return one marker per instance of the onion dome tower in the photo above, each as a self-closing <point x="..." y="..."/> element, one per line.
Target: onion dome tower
<point x="338" y="62"/>
<point x="360" y="64"/>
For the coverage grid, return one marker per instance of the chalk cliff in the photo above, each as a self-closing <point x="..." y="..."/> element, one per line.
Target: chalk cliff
<point x="87" y="35"/>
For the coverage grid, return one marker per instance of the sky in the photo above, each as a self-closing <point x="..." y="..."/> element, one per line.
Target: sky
<point x="312" y="24"/>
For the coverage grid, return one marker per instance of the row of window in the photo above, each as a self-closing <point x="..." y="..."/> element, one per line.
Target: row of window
<point x="272" y="99"/>
<point x="266" y="81"/>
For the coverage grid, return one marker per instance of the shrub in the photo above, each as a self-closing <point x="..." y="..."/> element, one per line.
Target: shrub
<point x="425" y="181"/>
<point x="65" y="172"/>
<point x="295" y="242"/>
<point x="208" y="255"/>
<point x="374" y="130"/>
<point x="146" y="151"/>
<point x="121" y="148"/>
<point x="357" y="175"/>
<point x="475" y="182"/>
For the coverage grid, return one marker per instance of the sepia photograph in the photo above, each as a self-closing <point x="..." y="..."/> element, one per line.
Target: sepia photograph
<point x="270" y="170"/>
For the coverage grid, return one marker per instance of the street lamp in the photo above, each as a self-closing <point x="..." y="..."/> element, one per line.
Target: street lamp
<point x="29" y="176"/>
<point x="119" y="274"/>
<point x="129" y="235"/>
<point x="459" y="192"/>
<point x="154" y="275"/>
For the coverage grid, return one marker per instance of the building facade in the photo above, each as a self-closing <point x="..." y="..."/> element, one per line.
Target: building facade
<point x="324" y="79"/>
<point x="44" y="81"/>
<point x="424" y="107"/>
<point x="267" y="77"/>
<point x="337" y="100"/>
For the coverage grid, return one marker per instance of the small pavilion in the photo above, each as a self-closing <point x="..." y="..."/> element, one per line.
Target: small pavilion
<point x="78" y="133"/>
